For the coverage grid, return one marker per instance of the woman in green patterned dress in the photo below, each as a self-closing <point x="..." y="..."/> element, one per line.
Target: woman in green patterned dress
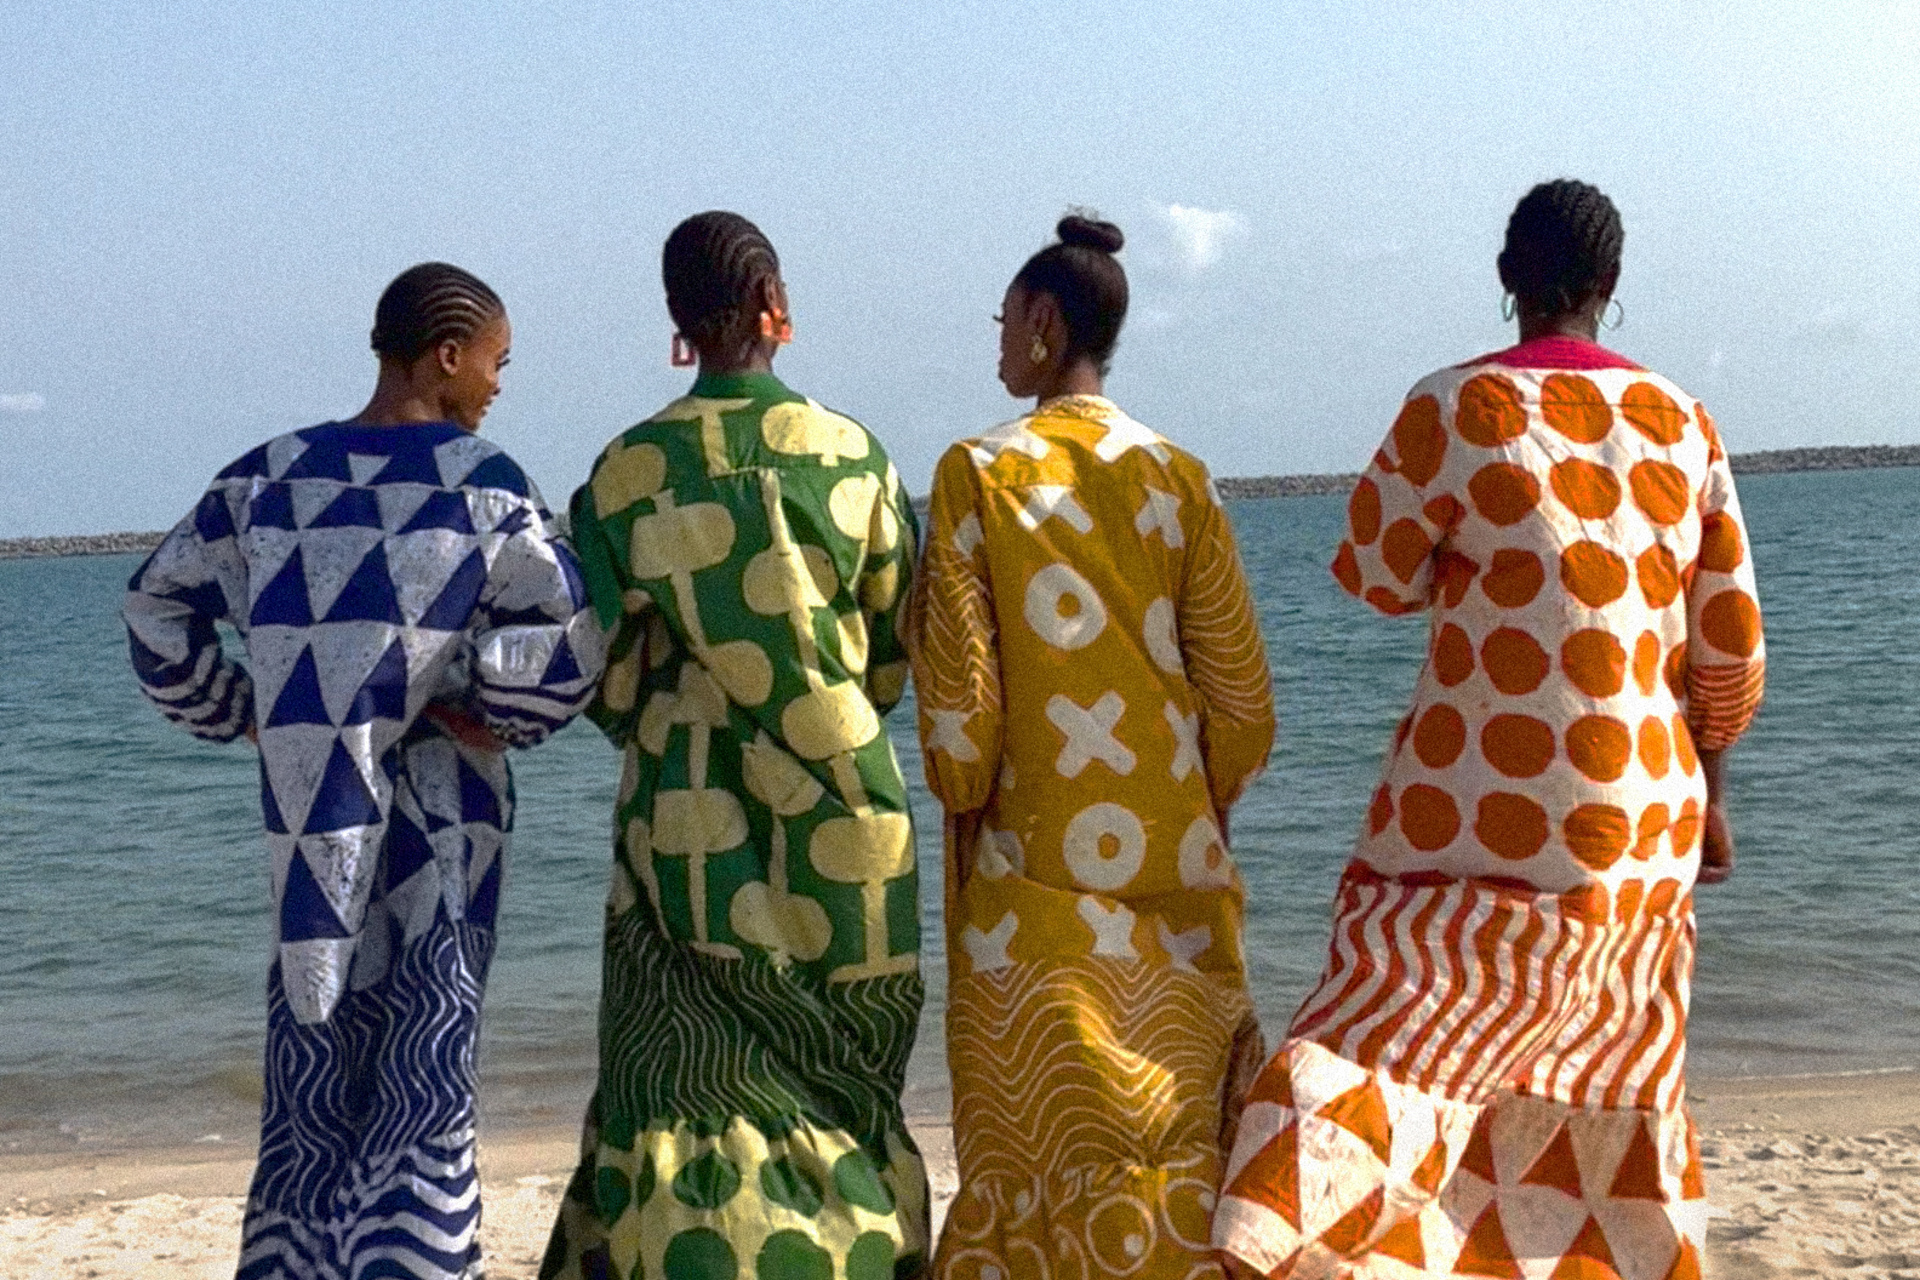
<point x="750" y="552"/>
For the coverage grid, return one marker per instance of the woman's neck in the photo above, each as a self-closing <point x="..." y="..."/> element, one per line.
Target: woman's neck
<point x="750" y="357"/>
<point x="1081" y="378"/>
<point x="397" y="401"/>
<point x="1583" y="324"/>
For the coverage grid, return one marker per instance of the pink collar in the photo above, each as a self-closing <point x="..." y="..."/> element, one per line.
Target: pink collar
<point x="1557" y="351"/>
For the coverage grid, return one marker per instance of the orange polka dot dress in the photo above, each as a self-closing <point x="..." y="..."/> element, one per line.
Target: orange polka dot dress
<point x="1488" y="1078"/>
<point x="1093" y="693"/>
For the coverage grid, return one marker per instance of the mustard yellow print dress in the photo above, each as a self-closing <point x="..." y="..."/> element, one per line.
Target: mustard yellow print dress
<point x="751" y="553"/>
<point x="1489" y="1079"/>
<point x="1093" y="694"/>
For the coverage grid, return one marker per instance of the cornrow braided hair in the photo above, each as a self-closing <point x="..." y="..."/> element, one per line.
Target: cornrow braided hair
<point x="711" y="265"/>
<point x="1563" y="242"/>
<point x="429" y="304"/>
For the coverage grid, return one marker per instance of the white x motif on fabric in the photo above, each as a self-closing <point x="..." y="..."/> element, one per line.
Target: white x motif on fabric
<point x="1186" y="741"/>
<point x="988" y="951"/>
<point x="1013" y="435"/>
<point x="1112" y="928"/>
<point x="967" y="535"/>
<point x="1161" y="512"/>
<point x="949" y="734"/>
<point x="1123" y="433"/>
<point x="1046" y="501"/>
<point x="1185" y="947"/>
<point x="1089" y="732"/>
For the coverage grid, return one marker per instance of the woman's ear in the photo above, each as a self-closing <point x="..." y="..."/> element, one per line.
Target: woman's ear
<point x="447" y="355"/>
<point x="1044" y="318"/>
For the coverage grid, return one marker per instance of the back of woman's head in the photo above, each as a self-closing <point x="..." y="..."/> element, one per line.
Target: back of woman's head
<point x="1088" y="283"/>
<point x="429" y="304"/>
<point x="712" y="264"/>
<point x="1563" y="246"/>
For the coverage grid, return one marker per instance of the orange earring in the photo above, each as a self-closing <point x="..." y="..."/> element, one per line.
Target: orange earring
<point x="684" y="354"/>
<point x="776" y="326"/>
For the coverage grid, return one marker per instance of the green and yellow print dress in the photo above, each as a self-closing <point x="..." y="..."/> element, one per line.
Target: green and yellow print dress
<point x="750" y="551"/>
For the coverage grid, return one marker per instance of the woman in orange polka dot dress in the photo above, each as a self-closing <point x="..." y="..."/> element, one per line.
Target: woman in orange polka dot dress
<point x="1488" y="1078"/>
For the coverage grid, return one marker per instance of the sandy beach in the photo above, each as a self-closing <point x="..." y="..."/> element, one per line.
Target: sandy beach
<point x="1815" y="1176"/>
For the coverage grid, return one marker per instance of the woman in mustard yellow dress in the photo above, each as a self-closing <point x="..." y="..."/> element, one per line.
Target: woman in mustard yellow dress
<point x="1093" y="697"/>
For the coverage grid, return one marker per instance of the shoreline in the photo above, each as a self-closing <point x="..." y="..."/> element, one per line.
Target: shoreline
<point x="1765" y="462"/>
<point x="1809" y="1176"/>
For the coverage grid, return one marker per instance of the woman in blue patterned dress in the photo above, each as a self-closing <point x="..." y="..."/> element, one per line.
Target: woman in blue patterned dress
<point x="406" y="612"/>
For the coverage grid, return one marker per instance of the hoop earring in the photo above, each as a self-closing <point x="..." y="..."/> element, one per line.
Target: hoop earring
<point x="776" y="326"/>
<point x="684" y="355"/>
<point x="1506" y="306"/>
<point x="1620" y="315"/>
<point x="1037" y="353"/>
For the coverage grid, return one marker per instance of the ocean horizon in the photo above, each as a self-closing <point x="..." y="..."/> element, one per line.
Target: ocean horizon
<point x="132" y="970"/>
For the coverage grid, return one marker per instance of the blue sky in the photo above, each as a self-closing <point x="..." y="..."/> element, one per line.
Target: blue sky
<point x="200" y="203"/>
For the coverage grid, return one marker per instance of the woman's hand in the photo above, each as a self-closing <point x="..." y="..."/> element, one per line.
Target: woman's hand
<point x="467" y="730"/>
<point x="1716" y="846"/>
<point x="1716" y="837"/>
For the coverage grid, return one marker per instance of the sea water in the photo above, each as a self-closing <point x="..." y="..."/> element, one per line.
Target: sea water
<point x="134" y="889"/>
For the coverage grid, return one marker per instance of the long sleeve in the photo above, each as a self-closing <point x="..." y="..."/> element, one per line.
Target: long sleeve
<point x="955" y="646"/>
<point x="195" y="579"/>
<point x="1726" y="649"/>
<point x="538" y="650"/>
<point x="1225" y="657"/>
<point x="1394" y="522"/>
<point x="613" y="706"/>
<point x="886" y="591"/>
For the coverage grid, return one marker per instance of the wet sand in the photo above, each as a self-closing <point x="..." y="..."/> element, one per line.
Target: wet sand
<point x="1814" y="1177"/>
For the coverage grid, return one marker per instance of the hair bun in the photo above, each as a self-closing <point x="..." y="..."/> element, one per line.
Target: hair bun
<point x="1090" y="233"/>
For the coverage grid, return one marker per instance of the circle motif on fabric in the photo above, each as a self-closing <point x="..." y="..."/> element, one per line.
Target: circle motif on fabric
<point x="791" y="1255"/>
<point x="1064" y="609"/>
<point x="871" y="1257"/>
<point x="1105" y="846"/>
<point x="1161" y="632"/>
<point x="1119" y="1233"/>
<point x="1203" y="856"/>
<point x="702" y="1252"/>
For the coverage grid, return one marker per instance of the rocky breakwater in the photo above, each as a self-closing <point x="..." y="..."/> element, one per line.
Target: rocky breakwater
<point x="92" y="544"/>
<point x="1828" y="458"/>
<point x="1283" y="486"/>
<point x="1823" y="458"/>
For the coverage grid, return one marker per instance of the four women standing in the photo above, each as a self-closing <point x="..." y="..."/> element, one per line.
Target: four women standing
<point x="1489" y="1073"/>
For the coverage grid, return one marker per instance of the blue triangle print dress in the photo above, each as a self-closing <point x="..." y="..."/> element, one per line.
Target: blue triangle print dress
<point x="370" y="571"/>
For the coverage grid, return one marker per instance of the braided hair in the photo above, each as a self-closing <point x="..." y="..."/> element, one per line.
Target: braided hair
<point x="712" y="263"/>
<point x="1563" y="246"/>
<point x="429" y="304"/>
<point x="1088" y="282"/>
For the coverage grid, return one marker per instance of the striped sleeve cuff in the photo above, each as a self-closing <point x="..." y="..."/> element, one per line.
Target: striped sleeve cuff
<point x="1722" y="701"/>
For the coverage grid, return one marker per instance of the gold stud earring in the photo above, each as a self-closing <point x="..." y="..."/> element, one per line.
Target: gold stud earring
<point x="1038" y="352"/>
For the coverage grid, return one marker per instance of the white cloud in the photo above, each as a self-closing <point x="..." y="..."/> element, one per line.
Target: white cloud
<point x="22" y="402"/>
<point x="1200" y="235"/>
